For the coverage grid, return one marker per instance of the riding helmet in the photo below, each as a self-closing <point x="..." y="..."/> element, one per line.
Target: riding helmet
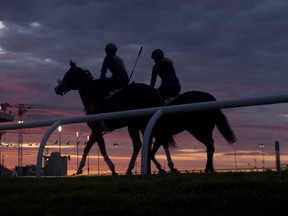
<point x="157" y="54"/>
<point x="111" y="48"/>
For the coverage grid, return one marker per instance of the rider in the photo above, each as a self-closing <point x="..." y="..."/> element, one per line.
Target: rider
<point x="170" y="85"/>
<point x="116" y="66"/>
<point x="119" y="78"/>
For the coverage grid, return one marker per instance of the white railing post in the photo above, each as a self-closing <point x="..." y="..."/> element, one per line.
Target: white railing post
<point x="145" y="153"/>
<point x="42" y="146"/>
<point x="142" y="112"/>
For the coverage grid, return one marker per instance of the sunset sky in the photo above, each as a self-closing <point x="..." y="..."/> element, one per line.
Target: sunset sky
<point x="232" y="49"/>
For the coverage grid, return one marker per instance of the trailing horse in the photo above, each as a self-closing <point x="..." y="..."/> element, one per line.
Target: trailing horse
<point x="200" y="124"/>
<point x="133" y="96"/>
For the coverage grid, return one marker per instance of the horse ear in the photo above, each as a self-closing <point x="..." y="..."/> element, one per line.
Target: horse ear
<point x="72" y="64"/>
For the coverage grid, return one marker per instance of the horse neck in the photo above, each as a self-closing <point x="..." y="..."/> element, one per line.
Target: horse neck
<point x="85" y="95"/>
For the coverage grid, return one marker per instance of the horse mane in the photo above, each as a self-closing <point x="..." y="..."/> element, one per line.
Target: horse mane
<point x="86" y="73"/>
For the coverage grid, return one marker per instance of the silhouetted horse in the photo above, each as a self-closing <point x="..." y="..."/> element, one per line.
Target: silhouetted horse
<point x="200" y="124"/>
<point x="133" y="96"/>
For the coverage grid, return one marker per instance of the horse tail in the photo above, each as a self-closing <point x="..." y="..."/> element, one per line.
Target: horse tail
<point x="224" y="128"/>
<point x="163" y="133"/>
<point x="171" y="141"/>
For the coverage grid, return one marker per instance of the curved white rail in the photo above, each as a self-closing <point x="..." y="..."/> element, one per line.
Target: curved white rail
<point x="141" y="112"/>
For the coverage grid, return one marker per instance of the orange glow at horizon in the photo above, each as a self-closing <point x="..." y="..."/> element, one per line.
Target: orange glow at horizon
<point x="185" y="158"/>
<point x="189" y="154"/>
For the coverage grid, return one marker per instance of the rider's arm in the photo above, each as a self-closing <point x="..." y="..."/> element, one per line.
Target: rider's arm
<point x="153" y="77"/>
<point x="104" y="67"/>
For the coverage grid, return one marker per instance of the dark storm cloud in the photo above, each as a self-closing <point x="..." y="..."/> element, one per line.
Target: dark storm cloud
<point x="221" y="46"/>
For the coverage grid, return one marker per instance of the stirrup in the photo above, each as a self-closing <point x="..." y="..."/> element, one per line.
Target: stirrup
<point x="112" y="92"/>
<point x="168" y="100"/>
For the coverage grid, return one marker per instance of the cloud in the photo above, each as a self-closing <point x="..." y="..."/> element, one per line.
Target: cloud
<point x="212" y="44"/>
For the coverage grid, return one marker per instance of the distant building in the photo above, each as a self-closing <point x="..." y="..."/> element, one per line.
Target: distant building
<point x="28" y="170"/>
<point x="4" y="172"/>
<point x="55" y="165"/>
<point x="5" y="117"/>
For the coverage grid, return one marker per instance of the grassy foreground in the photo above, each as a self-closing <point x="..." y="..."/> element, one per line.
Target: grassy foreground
<point x="171" y="194"/>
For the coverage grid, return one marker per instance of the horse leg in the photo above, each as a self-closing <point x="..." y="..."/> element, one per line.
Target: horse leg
<point x="101" y="143"/>
<point x="155" y="148"/>
<point x="87" y="148"/>
<point x="205" y="136"/>
<point x="96" y="136"/>
<point x="209" y="143"/>
<point x="170" y="161"/>
<point x="210" y="153"/>
<point x="135" y="136"/>
<point x="207" y="140"/>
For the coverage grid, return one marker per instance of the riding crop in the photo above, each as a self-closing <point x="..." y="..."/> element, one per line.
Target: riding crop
<point x="135" y="63"/>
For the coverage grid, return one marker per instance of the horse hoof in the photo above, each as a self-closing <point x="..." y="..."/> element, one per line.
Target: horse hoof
<point x="128" y="172"/>
<point x="174" y="170"/>
<point x="79" y="172"/>
<point x="114" y="174"/>
<point x="161" y="171"/>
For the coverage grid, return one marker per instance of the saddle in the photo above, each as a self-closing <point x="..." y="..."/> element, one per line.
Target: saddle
<point x="169" y="100"/>
<point x="113" y="92"/>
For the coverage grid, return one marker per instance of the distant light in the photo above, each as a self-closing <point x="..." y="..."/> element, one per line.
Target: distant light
<point x="60" y="128"/>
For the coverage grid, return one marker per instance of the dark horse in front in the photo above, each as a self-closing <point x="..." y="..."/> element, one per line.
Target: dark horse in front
<point x="133" y="96"/>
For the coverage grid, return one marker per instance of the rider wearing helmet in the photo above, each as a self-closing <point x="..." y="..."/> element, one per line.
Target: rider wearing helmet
<point x="115" y="65"/>
<point x="118" y="78"/>
<point x="170" y="85"/>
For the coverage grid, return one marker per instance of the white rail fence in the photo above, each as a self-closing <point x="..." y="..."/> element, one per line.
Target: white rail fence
<point x="156" y="113"/>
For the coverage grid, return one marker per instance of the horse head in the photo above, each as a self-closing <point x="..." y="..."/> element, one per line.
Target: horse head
<point x="74" y="79"/>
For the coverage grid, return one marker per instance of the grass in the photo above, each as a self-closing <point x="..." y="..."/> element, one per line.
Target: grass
<point x="182" y="194"/>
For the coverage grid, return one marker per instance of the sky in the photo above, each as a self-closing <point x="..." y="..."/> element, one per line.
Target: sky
<point x="232" y="49"/>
